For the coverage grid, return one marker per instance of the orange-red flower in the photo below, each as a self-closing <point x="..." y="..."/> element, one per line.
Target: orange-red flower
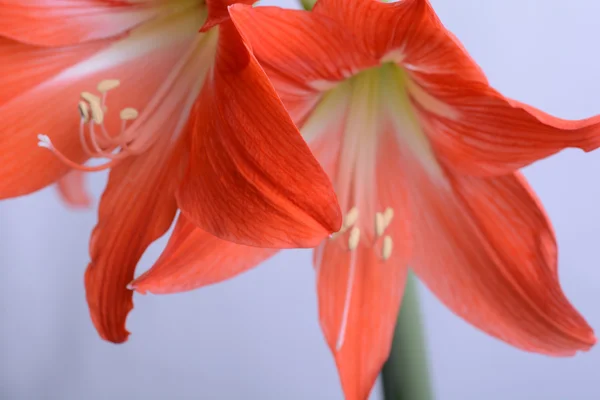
<point x="422" y="152"/>
<point x="168" y="91"/>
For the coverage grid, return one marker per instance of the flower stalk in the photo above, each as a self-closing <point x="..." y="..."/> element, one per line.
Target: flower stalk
<point x="405" y="374"/>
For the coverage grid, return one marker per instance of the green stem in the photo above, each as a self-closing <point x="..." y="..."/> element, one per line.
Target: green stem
<point x="405" y="375"/>
<point x="308" y="4"/>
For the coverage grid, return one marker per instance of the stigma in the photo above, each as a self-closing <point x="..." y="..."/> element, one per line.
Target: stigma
<point x="96" y="140"/>
<point x="352" y="235"/>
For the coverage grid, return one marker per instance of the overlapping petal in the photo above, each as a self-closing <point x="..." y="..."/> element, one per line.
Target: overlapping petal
<point x="252" y="179"/>
<point x="302" y="53"/>
<point x="218" y="11"/>
<point x="194" y="258"/>
<point x="136" y="208"/>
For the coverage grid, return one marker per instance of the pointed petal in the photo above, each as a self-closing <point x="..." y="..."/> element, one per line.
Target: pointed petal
<point x="360" y="292"/>
<point x="194" y="258"/>
<point x="359" y="300"/>
<point x="72" y="190"/>
<point x="44" y="99"/>
<point x="302" y="53"/>
<point x="136" y="208"/>
<point x="471" y="125"/>
<point x="485" y="247"/>
<point x="251" y="178"/>
<point x="67" y="22"/>
<point x="477" y="130"/>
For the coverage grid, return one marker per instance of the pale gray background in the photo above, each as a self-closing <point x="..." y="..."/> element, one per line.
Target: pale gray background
<point x="257" y="337"/>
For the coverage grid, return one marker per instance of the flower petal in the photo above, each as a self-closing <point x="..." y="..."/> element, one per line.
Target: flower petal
<point x="194" y="258"/>
<point x="218" y="11"/>
<point x="301" y="52"/>
<point x="139" y="202"/>
<point x="477" y="130"/>
<point x="252" y="179"/>
<point x="136" y="208"/>
<point x="485" y="247"/>
<point x="408" y="31"/>
<point x="72" y="190"/>
<point x="359" y="300"/>
<point x="49" y="105"/>
<point x="360" y="291"/>
<point x="471" y="125"/>
<point x="67" y="22"/>
<point x="25" y="67"/>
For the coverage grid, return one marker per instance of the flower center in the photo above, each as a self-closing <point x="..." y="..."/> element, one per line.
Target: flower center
<point x="164" y="112"/>
<point x="350" y="233"/>
<point x="96" y="140"/>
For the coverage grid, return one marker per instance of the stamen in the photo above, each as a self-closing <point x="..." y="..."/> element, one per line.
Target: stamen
<point x="380" y="224"/>
<point x="95" y="106"/>
<point x="90" y="98"/>
<point x="350" y="218"/>
<point x="129" y="114"/>
<point x="386" y="250"/>
<point x="388" y="215"/>
<point x="92" y="111"/>
<point x="97" y="113"/>
<point x="354" y="238"/>
<point x="84" y="111"/>
<point x="108" y="84"/>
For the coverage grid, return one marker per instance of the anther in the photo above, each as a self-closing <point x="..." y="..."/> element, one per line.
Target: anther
<point x="108" y="84"/>
<point x="388" y="215"/>
<point x="97" y="113"/>
<point x="90" y="98"/>
<point x="354" y="238"/>
<point x="92" y="110"/>
<point x="386" y="249"/>
<point x="350" y="218"/>
<point x="128" y="114"/>
<point x="84" y="111"/>
<point x="380" y="224"/>
<point x="95" y="107"/>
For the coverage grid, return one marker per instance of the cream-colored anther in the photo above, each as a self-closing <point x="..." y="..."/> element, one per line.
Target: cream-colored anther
<point x="353" y="238"/>
<point x="350" y="219"/>
<point x="108" y="84"/>
<point x="386" y="249"/>
<point x="84" y="111"/>
<point x="90" y="98"/>
<point x="97" y="113"/>
<point x="380" y="224"/>
<point x="388" y="215"/>
<point x="95" y="106"/>
<point x="128" y="114"/>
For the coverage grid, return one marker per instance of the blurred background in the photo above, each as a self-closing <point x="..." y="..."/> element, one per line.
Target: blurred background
<point x="257" y="336"/>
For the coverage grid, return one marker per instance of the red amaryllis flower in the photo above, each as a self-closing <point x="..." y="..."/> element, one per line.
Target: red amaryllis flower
<point x="189" y="121"/>
<point x="422" y="153"/>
